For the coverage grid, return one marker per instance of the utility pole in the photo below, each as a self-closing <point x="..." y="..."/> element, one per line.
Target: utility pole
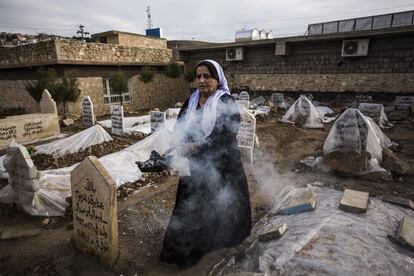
<point x="82" y="32"/>
<point x="149" y="20"/>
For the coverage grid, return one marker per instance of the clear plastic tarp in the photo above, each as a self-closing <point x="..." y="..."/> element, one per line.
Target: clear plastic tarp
<point x="356" y="132"/>
<point x="375" y="112"/>
<point x="303" y="108"/>
<point x="94" y="135"/>
<point x="328" y="241"/>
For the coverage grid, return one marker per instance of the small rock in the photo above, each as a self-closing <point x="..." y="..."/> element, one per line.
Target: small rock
<point x="45" y="222"/>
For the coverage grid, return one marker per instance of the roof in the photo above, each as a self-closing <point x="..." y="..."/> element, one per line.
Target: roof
<point x="113" y="32"/>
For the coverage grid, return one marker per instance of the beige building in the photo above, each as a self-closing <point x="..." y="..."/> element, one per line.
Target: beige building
<point x="93" y="64"/>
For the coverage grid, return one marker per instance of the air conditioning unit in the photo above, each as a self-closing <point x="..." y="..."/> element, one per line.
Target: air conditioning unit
<point x="234" y="54"/>
<point x="355" y="47"/>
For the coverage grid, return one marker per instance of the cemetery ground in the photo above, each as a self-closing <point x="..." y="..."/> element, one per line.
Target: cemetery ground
<point x="45" y="246"/>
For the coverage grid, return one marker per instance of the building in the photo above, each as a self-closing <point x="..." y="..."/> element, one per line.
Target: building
<point x="362" y="55"/>
<point x="93" y="64"/>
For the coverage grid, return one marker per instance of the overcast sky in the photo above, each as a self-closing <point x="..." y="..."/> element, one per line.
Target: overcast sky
<point x="209" y="20"/>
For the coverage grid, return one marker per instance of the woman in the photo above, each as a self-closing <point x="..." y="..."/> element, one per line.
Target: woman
<point x="212" y="208"/>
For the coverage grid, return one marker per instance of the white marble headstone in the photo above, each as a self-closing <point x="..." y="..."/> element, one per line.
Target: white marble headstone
<point x="158" y="119"/>
<point x="88" y="116"/>
<point x="117" y="119"/>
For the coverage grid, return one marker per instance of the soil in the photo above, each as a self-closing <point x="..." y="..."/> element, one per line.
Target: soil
<point x="145" y="206"/>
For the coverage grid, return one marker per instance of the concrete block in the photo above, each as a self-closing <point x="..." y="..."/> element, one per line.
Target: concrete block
<point x="399" y="200"/>
<point x="354" y="201"/>
<point x="272" y="232"/>
<point x="301" y="200"/>
<point x="405" y="234"/>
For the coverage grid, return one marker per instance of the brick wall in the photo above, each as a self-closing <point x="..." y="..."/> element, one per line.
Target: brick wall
<point x="318" y="66"/>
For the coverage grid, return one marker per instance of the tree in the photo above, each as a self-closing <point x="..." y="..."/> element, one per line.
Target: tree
<point x="173" y="70"/>
<point x="119" y="83"/>
<point x="45" y="79"/>
<point x="67" y="90"/>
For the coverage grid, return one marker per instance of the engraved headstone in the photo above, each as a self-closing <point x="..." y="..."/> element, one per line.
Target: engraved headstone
<point x="278" y="100"/>
<point x="263" y="109"/>
<point x="47" y="104"/>
<point x="117" y="119"/>
<point x="94" y="203"/>
<point x="23" y="175"/>
<point x="404" y="104"/>
<point x="258" y="101"/>
<point x="247" y="131"/>
<point x="158" y="119"/>
<point x="88" y="117"/>
<point x="244" y="99"/>
<point x="374" y="111"/>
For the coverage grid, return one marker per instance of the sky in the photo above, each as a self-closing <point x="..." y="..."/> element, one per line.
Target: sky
<point x="212" y="20"/>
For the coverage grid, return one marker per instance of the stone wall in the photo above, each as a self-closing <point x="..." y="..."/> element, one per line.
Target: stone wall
<point x="101" y="53"/>
<point x="75" y="52"/>
<point x="13" y="94"/>
<point x="40" y="53"/>
<point x="132" y="40"/>
<point x="393" y="82"/>
<point x="28" y="128"/>
<point x="161" y="92"/>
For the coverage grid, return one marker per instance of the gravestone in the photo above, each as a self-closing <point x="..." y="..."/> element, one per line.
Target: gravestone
<point x="244" y="99"/>
<point x="23" y="175"/>
<point x="235" y="96"/>
<point x="88" y="117"/>
<point x="374" y="111"/>
<point x="247" y="131"/>
<point x="354" y="201"/>
<point x="158" y="119"/>
<point x="117" y="119"/>
<point x="47" y="104"/>
<point x="403" y="104"/>
<point x="264" y="109"/>
<point x="258" y="101"/>
<point x="94" y="203"/>
<point x="278" y="100"/>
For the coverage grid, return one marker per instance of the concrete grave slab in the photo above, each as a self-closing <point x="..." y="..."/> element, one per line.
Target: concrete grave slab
<point x="354" y="201"/>
<point x="405" y="234"/>
<point x="94" y="202"/>
<point x="300" y="200"/>
<point x="117" y="119"/>
<point x="272" y="232"/>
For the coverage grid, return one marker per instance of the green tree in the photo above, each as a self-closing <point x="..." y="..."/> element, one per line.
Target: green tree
<point x="147" y="74"/>
<point x="67" y="90"/>
<point x="45" y="79"/>
<point x="119" y="83"/>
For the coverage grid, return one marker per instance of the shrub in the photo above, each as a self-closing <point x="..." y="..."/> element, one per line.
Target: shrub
<point x="189" y="76"/>
<point x="173" y="70"/>
<point x="147" y="74"/>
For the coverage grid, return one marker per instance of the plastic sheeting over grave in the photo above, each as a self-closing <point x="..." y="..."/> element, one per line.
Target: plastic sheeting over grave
<point x="328" y="241"/>
<point x="375" y="112"/>
<point x="142" y="124"/>
<point x="304" y="112"/>
<point x="94" y="135"/>
<point x="356" y="132"/>
<point x="55" y="184"/>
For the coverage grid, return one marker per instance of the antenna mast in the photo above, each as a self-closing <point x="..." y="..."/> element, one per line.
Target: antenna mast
<point x="149" y="20"/>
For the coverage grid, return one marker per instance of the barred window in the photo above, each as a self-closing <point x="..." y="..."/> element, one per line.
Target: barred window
<point x="110" y="97"/>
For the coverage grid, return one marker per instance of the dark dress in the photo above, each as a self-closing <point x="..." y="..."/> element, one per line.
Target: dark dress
<point x="212" y="208"/>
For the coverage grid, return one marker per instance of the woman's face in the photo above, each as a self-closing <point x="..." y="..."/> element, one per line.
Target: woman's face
<point x="206" y="84"/>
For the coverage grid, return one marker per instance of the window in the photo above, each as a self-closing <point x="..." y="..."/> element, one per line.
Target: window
<point x="110" y="98"/>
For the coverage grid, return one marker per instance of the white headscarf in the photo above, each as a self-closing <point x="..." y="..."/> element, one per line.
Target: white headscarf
<point x="210" y="107"/>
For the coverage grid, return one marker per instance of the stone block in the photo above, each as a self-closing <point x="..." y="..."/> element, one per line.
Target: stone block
<point x="405" y="234"/>
<point x="394" y="164"/>
<point x="68" y="122"/>
<point x="354" y="201"/>
<point x="94" y="203"/>
<point x="272" y="232"/>
<point x="346" y="162"/>
<point x="399" y="200"/>
<point x="300" y="200"/>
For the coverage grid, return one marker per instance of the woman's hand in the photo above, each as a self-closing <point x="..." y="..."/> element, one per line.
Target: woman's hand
<point x="187" y="149"/>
